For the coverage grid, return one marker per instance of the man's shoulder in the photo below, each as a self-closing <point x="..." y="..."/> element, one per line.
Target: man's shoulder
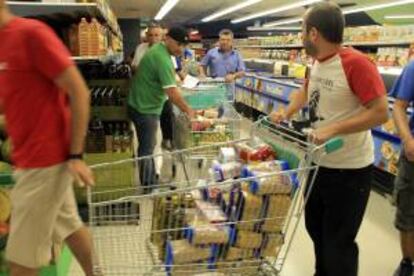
<point x="213" y="51"/>
<point x="29" y="25"/>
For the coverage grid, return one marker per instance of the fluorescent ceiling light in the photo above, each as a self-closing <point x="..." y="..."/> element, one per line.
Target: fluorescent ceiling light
<point x="166" y="8"/>
<point x="230" y="10"/>
<point x="345" y="12"/>
<point x="283" y="22"/>
<point x="255" y="29"/>
<point x="275" y="11"/>
<point x="377" y="7"/>
<point x="402" y="16"/>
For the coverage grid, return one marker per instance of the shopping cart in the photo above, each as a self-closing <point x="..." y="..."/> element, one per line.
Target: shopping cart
<point x="234" y="221"/>
<point x="216" y="120"/>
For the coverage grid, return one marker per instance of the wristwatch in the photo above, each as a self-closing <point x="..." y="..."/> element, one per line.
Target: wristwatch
<point x="76" y="156"/>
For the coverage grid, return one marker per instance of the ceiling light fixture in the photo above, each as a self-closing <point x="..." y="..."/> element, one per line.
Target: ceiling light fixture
<point x="345" y="12"/>
<point x="255" y="29"/>
<point x="283" y="22"/>
<point x="230" y="10"/>
<point x="165" y="9"/>
<point x="275" y="11"/>
<point x="377" y="7"/>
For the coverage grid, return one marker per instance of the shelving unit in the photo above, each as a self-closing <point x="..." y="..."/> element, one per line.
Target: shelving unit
<point x="26" y="8"/>
<point x="354" y="44"/>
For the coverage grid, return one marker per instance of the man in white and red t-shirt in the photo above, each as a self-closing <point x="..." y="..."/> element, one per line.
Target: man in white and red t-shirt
<point x="46" y="106"/>
<point x="346" y="97"/>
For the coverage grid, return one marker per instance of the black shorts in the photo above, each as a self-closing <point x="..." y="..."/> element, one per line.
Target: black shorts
<point x="404" y="195"/>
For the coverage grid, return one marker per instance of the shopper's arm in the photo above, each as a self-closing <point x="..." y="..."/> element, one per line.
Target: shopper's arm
<point x="202" y="71"/>
<point x="175" y="96"/>
<point x="374" y="113"/>
<point x="401" y="121"/>
<point x="298" y="101"/>
<point x="241" y="68"/>
<point x="72" y="82"/>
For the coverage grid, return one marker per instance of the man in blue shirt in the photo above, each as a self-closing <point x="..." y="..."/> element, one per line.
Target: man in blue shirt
<point x="403" y="91"/>
<point x="223" y="61"/>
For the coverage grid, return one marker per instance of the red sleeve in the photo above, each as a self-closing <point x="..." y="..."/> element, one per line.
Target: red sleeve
<point x="363" y="77"/>
<point x="50" y="55"/>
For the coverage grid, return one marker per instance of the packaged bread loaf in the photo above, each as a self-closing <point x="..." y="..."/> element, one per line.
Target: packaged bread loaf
<point x="250" y="208"/>
<point x="277" y="211"/>
<point x="202" y="232"/>
<point x="272" y="244"/>
<point x="234" y="254"/>
<point x="247" y="239"/>
<point x="183" y="252"/>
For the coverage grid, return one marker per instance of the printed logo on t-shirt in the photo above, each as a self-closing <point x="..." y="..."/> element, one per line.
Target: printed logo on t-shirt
<point x="314" y="107"/>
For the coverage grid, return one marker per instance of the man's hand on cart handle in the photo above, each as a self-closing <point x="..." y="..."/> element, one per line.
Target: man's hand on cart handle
<point x="192" y="114"/>
<point x="230" y="78"/>
<point x="322" y="135"/>
<point x="82" y="173"/>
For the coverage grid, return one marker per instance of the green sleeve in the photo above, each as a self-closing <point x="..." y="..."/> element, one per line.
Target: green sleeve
<point x="166" y="72"/>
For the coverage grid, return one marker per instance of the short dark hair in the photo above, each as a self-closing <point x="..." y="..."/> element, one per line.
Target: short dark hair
<point x="327" y="18"/>
<point x="226" y="32"/>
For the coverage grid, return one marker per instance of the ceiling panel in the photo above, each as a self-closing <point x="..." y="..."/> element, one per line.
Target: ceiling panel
<point x="192" y="11"/>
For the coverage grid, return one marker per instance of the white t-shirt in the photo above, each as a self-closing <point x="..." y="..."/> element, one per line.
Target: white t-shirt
<point x="139" y="54"/>
<point x="338" y="88"/>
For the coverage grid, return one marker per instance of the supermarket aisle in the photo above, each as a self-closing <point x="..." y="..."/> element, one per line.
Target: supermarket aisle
<point x="378" y="240"/>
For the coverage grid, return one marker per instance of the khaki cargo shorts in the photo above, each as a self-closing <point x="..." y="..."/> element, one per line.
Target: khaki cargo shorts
<point x="44" y="212"/>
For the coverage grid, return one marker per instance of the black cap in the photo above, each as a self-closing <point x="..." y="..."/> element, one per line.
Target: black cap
<point x="178" y="34"/>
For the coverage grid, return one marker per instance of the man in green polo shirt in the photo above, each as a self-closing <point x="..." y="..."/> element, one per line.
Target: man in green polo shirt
<point x="153" y="82"/>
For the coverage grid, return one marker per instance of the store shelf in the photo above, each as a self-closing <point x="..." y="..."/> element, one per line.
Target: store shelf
<point x="265" y="94"/>
<point x="395" y="71"/>
<point x="379" y="44"/>
<point x="104" y="59"/>
<point x="25" y="8"/>
<point x="356" y="44"/>
<point x="271" y="46"/>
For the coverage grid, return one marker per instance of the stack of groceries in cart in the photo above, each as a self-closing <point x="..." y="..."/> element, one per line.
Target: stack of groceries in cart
<point x="231" y="222"/>
<point x="211" y="126"/>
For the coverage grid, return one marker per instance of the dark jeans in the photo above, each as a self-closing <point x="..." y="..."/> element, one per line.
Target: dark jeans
<point x="333" y="216"/>
<point x="146" y="128"/>
<point x="167" y="121"/>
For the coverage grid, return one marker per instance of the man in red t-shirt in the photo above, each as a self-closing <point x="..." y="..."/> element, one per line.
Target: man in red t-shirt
<point x="46" y="106"/>
<point x="346" y="98"/>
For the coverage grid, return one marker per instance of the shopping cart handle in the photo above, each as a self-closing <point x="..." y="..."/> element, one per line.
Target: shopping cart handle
<point x="333" y="145"/>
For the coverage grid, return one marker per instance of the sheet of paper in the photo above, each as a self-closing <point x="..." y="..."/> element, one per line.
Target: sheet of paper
<point x="190" y="82"/>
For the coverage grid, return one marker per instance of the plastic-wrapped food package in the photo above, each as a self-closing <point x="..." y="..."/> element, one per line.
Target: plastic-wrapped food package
<point x="269" y="178"/>
<point x="212" y="213"/>
<point x="234" y="254"/>
<point x="277" y="209"/>
<point x="182" y="252"/>
<point x="247" y="239"/>
<point x="272" y="245"/>
<point x="201" y="232"/>
<point x="250" y="209"/>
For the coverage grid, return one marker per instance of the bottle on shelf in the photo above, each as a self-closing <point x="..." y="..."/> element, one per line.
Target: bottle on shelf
<point x="83" y="37"/>
<point x="109" y="138"/>
<point x="116" y="145"/>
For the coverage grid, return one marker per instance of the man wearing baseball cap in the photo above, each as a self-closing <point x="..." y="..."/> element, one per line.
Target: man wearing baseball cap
<point x="152" y="83"/>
